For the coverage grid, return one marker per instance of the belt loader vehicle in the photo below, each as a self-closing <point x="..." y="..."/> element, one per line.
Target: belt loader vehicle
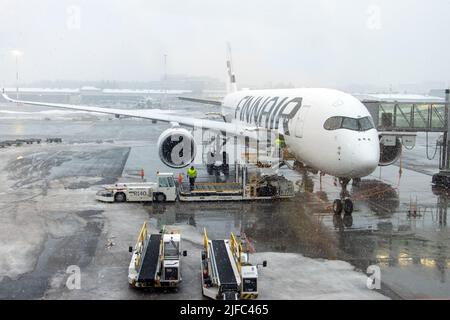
<point x="156" y="260"/>
<point x="226" y="271"/>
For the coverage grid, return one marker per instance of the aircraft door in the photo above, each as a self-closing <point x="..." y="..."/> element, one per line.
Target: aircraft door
<point x="300" y="123"/>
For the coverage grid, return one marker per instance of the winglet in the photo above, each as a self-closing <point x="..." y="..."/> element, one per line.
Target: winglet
<point x="5" y="96"/>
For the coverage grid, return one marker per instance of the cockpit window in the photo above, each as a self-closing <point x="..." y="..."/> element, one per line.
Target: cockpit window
<point x="362" y="124"/>
<point x="366" y="124"/>
<point x="333" y="123"/>
<point x="349" y="123"/>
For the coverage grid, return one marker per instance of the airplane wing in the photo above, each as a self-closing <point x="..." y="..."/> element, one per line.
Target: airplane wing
<point x="155" y="115"/>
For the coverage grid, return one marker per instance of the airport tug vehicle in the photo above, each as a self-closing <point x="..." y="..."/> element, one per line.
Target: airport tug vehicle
<point x="162" y="190"/>
<point x="156" y="260"/>
<point x="166" y="190"/>
<point x="226" y="271"/>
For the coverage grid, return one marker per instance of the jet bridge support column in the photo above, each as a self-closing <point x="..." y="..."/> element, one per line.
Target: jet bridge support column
<point x="446" y="148"/>
<point x="442" y="179"/>
<point x="444" y="163"/>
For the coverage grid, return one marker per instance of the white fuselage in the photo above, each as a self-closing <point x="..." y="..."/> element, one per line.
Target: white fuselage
<point x="349" y="150"/>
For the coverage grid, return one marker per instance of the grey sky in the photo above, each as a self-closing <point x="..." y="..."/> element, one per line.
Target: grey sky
<point x="306" y="42"/>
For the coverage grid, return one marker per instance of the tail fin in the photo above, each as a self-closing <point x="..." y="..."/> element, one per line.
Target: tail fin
<point x="231" y="83"/>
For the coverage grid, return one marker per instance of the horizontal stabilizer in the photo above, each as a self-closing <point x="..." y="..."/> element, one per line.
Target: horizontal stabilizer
<point x="203" y="101"/>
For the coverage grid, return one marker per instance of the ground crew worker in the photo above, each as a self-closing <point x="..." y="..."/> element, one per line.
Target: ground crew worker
<point x="192" y="174"/>
<point x="279" y="143"/>
<point x="180" y="179"/>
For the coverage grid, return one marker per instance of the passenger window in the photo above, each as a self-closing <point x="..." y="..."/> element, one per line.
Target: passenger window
<point x="333" y="123"/>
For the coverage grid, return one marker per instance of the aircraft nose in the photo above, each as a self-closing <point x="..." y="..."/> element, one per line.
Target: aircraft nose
<point x="366" y="157"/>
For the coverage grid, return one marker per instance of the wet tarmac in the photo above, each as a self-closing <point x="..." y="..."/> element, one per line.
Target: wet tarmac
<point x="399" y="223"/>
<point x="56" y="255"/>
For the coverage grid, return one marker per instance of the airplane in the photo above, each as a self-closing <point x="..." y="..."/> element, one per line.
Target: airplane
<point x="325" y="129"/>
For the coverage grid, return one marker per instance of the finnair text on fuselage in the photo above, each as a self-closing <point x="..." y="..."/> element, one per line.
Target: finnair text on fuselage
<point x="267" y="111"/>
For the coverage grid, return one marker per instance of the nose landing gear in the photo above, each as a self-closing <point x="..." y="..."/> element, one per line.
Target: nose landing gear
<point x="344" y="203"/>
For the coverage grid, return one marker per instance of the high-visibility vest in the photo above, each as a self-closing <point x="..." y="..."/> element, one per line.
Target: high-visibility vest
<point x="279" y="142"/>
<point x="192" y="173"/>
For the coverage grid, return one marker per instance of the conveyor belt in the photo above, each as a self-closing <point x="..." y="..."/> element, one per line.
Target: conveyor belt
<point x="211" y="187"/>
<point x="150" y="262"/>
<point x="223" y="263"/>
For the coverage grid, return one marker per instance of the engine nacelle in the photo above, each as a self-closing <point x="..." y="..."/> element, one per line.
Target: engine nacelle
<point x="177" y="148"/>
<point x="390" y="150"/>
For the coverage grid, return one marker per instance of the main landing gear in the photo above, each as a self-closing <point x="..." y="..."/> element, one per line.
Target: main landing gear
<point x="344" y="203"/>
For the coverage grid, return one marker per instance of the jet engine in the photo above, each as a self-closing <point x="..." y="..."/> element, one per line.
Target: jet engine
<point x="177" y="148"/>
<point x="390" y="150"/>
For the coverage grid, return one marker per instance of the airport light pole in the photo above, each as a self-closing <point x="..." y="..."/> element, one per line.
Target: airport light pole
<point x="165" y="81"/>
<point x="17" y="54"/>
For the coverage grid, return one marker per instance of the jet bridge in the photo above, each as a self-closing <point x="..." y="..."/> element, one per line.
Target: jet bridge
<point x="409" y="116"/>
<point x="400" y="121"/>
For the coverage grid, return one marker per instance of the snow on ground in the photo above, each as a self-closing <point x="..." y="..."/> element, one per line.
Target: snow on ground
<point x="290" y="276"/>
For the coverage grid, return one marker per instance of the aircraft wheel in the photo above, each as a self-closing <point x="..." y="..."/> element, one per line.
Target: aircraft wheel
<point x="348" y="220"/>
<point x="226" y="170"/>
<point x="337" y="221"/>
<point x="337" y="206"/>
<point x="348" y="206"/>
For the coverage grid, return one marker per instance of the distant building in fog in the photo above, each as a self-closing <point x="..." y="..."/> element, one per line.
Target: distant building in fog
<point x="173" y="82"/>
<point x="438" y="93"/>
